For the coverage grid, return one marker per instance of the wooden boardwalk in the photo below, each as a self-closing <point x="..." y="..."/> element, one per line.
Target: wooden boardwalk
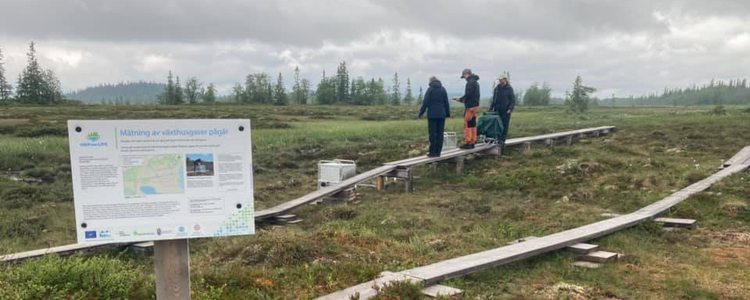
<point x="434" y="273"/>
<point x="400" y="169"/>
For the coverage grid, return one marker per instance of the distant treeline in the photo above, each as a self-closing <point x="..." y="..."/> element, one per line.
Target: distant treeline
<point x="123" y="93"/>
<point x="259" y="88"/>
<point x="716" y="92"/>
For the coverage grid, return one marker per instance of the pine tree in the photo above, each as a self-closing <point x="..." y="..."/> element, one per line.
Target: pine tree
<point x="279" y="92"/>
<point x="305" y="91"/>
<point x="6" y="89"/>
<point x="342" y="84"/>
<point x="179" y="96"/>
<point x="192" y="90"/>
<point x="408" y="98"/>
<point x="210" y="95"/>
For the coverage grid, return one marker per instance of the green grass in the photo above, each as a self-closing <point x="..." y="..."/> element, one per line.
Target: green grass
<point x="546" y="190"/>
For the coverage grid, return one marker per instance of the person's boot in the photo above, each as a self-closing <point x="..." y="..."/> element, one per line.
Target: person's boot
<point x="467" y="146"/>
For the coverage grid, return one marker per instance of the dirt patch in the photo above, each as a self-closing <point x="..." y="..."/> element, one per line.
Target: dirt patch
<point x="563" y="290"/>
<point x="733" y="255"/>
<point x="727" y="237"/>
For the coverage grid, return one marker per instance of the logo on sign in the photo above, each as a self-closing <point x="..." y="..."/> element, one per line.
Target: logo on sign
<point x="197" y="227"/>
<point x="181" y="229"/>
<point x="158" y="231"/>
<point x="91" y="234"/>
<point x="105" y="234"/>
<point x="93" y="141"/>
<point x="93" y="136"/>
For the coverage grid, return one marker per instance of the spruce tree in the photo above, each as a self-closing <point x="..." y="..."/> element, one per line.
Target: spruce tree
<point x="420" y="97"/>
<point x="305" y="91"/>
<point x="279" y="92"/>
<point x="31" y="81"/>
<point x="342" y="84"/>
<point x="297" y="88"/>
<point x="396" y="91"/>
<point x="6" y="89"/>
<point x="179" y="97"/>
<point x="167" y="96"/>
<point x="210" y="95"/>
<point x="408" y="98"/>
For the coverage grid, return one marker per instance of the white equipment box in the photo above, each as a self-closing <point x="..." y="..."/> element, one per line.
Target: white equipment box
<point x="335" y="171"/>
<point x="450" y="141"/>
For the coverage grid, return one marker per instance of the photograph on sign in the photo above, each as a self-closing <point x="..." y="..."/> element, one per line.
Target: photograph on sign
<point x="146" y="180"/>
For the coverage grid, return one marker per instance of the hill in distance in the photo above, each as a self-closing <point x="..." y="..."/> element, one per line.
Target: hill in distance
<point x="140" y="92"/>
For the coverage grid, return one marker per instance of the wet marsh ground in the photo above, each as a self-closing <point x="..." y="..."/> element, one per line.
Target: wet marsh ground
<point x="654" y="152"/>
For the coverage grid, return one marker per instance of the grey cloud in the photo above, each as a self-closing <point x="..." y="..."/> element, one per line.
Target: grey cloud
<point x="617" y="46"/>
<point x="310" y="22"/>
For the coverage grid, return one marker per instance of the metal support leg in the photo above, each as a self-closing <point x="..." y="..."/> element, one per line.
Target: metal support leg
<point x="569" y="140"/>
<point x="527" y="146"/>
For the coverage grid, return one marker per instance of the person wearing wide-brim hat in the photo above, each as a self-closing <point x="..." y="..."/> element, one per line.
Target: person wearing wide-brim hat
<point x="503" y="102"/>
<point x="470" y="100"/>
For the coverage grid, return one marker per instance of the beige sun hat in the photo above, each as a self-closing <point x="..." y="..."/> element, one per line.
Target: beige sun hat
<point x="501" y="77"/>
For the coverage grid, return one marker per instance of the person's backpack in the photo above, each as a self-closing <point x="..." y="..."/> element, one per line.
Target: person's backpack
<point x="490" y="125"/>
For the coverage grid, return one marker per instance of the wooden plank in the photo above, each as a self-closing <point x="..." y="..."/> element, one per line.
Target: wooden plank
<point x="586" y="264"/>
<point x="583" y="248"/>
<point x="286" y="217"/>
<point x="172" y="266"/>
<point x="537" y="138"/>
<point x="439" y="290"/>
<point x="439" y="271"/>
<point x="422" y="160"/>
<point x="600" y="256"/>
<point x="59" y="250"/>
<point x="324" y="192"/>
<point x="145" y="248"/>
<point x="673" y="222"/>
<point x="409" y="162"/>
<point x="369" y="289"/>
<point x="460" y="165"/>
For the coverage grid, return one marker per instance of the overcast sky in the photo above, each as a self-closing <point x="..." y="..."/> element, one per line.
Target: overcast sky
<point x="622" y="47"/>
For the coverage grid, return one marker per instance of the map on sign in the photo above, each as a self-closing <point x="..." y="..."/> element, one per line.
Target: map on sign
<point x="153" y="175"/>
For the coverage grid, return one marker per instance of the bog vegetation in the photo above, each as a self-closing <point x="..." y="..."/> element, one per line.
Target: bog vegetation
<point x="537" y="192"/>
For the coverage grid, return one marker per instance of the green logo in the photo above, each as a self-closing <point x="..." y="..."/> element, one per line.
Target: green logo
<point x="93" y="136"/>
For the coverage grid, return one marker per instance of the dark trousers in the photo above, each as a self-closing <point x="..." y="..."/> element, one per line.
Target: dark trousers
<point x="506" y="123"/>
<point x="436" y="128"/>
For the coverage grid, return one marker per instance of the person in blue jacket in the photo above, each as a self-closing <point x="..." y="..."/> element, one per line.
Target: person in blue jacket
<point x="438" y="109"/>
<point x="503" y="102"/>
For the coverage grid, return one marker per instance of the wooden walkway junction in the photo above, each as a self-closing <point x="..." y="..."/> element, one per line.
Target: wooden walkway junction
<point x="401" y="170"/>
<point x="432" y="274"/>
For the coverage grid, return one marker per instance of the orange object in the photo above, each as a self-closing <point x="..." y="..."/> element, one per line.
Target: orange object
<point x="470" y="125"/>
